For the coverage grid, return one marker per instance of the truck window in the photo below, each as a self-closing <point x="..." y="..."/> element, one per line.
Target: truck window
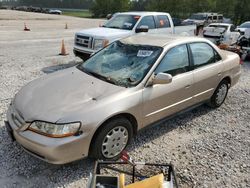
<point x="214" y="17"/>
<point x="162" y="21"/>
<point x="147" y="21"/>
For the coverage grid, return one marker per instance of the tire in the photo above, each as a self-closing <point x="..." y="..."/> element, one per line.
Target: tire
<point x="219" y="95"/>
<point x="111" y="139"/>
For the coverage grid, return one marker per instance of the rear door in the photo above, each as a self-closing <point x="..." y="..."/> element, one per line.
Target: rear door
<point x="163" y="100"/>
<point x="163" y="24"/>
<point x="208" y="67"/>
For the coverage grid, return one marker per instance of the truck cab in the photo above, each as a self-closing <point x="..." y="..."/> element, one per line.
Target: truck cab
<point x="121" y="25"/>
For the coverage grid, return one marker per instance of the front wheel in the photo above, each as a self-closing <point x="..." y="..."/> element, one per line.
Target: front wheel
<point x="219" y="95"/>
<point x="112" y="139"/>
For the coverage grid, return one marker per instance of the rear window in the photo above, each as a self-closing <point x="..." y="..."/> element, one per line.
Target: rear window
<point x="245" y="25"/>
<point x="203" y="54"/>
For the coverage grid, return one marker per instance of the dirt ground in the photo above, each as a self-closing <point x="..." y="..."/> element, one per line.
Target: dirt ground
<point x="209" y="148"/>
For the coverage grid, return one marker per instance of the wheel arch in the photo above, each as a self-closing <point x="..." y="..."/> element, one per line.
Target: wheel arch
<point x="228" y="79"/>
<point x="127" y="116"/>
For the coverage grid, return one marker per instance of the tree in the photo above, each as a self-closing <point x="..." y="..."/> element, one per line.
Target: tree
<point x="101" y="8"/>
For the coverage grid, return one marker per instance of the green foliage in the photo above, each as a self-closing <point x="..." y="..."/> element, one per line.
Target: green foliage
<point x="101" y="8"/>
<point x="238" y="10"/>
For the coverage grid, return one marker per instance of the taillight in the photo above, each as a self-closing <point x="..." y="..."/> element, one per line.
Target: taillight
<point x="241" y="62"/>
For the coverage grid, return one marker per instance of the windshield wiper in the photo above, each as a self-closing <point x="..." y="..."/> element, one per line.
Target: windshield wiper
<point x="101" y="77"/>
<point x="115" y="27"/>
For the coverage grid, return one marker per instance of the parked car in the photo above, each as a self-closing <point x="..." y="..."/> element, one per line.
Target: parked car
<point x="221" y="33"/>
<point x="95" y="108"/>
<point x="242" y="28"/>
<point x="121" y="25"/>
<point x="55" y="11"/>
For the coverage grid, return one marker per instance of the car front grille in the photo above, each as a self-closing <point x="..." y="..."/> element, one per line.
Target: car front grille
<point x="84" y="41"/>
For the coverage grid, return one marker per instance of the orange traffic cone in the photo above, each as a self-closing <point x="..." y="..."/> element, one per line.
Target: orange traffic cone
<point x="66" y="26"/>
<point x="63" y="50"/>
<point x="26" y="28"/>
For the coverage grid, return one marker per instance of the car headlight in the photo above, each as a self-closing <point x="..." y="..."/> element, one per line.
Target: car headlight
<point x="100" y="43"/>
<point x="55" y="130"/>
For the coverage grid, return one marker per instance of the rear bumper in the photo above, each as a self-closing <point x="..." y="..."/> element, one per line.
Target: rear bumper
<point x="51" y="150"/>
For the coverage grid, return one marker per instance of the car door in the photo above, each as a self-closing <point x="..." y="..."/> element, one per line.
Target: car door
<point x="163" y="100"/>
<point x="148" y="21"/>
<point x="163" y="24"/>
<point x="208" y="67"/>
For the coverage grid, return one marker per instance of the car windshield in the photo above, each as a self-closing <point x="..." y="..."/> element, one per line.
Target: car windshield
<point x="245" y="25"/>
<point x="198" y="17"/>
<point x="122" y="21"/>
<point x="122" y="64"/>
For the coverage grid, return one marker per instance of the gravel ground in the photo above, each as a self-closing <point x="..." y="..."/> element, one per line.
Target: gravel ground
<point x="209" y="148"/>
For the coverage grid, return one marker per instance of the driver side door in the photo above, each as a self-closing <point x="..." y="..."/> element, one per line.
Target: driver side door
<point x="148" y="21"/>
<point x="163" y="100"/>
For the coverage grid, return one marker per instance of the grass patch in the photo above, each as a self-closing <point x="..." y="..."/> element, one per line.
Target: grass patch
<point x="78" y="13"/>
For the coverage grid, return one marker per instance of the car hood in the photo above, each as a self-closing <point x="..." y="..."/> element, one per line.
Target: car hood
<point x="57" y="95"/>
<point x="102" y="32"/>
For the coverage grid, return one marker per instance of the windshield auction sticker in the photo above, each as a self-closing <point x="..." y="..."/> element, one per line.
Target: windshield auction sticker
<point x="144" y="53"/>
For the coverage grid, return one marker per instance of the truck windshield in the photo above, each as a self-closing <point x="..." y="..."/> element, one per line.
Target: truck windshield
<point x="198" y="17"/>
<point x="122" y="64"/>
<point x="122" y="22"/>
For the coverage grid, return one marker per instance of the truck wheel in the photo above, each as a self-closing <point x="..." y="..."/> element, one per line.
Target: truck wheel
<point x="219" y="95"/>
<point x="112" y="139"/>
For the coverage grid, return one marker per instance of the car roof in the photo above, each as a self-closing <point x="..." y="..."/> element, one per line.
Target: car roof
<point x="159" y="40"/>
<point x="143" y="13"/>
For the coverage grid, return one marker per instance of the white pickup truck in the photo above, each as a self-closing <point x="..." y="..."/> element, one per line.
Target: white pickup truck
<point x="125" y="24"/>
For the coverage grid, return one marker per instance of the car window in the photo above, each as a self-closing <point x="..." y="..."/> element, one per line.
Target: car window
<point x="148" y="21"/>
<point x="176" y="61"/>
<point x="214" y="17"/>
<point x="203" y="54"/>
<point x="232" y="28"/>
<point x="162" y="21"/>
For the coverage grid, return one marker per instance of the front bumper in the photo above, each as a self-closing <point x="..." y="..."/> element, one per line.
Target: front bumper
<point x="51" y="150"/>
<point x="83" y="54"/>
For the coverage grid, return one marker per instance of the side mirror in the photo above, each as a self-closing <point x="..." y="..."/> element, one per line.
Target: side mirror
<point x="143" y="28"/>
<point x="162" y="78"/>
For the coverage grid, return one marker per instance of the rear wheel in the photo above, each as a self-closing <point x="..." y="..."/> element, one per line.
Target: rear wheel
<point x="112" y="139"/>
<point x="219" y="95"/>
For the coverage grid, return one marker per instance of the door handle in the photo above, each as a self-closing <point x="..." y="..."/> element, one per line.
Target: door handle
<point x="219" y="74"/>
<point x="187" y="86"/>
